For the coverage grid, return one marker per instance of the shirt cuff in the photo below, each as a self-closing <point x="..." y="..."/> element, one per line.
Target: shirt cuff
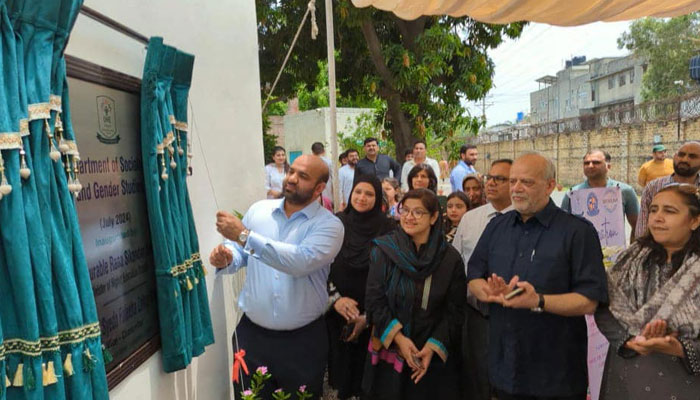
<point x="255" y="244"/>
<point x="691" y="358"/>
<point x="390" y="332"/>
<point x="439" y="348"/>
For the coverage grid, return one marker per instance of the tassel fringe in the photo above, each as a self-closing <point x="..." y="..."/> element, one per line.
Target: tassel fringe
<point x="18" y="380"/>
<point x="68" y="365"/>
<point x="48" y="374"/>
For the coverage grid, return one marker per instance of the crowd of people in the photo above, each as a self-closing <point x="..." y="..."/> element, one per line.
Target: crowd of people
<point x="409" y="292"/>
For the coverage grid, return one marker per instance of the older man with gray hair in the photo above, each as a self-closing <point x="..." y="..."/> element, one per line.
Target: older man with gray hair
<point x="541" y="270"/>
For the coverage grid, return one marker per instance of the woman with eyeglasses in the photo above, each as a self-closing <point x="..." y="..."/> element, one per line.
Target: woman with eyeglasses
<point x="363" y="220"/>
<point x="653" y="319"/>
<point x="422" y="176"/>
<point x="473" y="187"/>
<point x="416" y="290"/>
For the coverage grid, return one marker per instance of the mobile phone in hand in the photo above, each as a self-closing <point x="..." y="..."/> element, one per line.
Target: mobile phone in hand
<point x="514" y="293"/>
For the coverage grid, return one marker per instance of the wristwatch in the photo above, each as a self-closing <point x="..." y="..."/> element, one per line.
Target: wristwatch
<point x="243" y="237"/>
<point x="540" y="305"/>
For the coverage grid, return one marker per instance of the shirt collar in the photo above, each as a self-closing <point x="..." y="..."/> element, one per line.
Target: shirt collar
<point x="672" y="178"/>
<point x="543" y="216"/>
<point x="309" y="211"/>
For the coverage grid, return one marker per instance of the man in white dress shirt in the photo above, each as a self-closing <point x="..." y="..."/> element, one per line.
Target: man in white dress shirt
<point x="346" y="176"/>
<point x="475" y="329"/>
<point x="419" y="157"/>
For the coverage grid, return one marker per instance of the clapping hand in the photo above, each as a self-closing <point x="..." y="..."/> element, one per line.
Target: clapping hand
<point x="496" y="288"/>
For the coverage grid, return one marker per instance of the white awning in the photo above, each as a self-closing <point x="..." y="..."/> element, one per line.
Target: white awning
<point x="553" y="12"/>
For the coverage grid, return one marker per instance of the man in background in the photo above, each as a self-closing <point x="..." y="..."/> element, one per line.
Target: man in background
<point x="380" y="165"/>
<point x="596" y="164"/>
<point x="468" y="155"/>
<point x="420" y="156"/>
<point x="319" y="150"/>
<point x="657" y="167"/>
<point x="346" y="175"/>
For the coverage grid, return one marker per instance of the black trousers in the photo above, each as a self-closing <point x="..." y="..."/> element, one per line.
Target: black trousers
<point x="475" y="367"/>
<point x="294" y="358"/>
<point x="507" y="396"/>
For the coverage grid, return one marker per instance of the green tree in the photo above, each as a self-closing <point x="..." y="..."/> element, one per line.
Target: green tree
<point x="667" y="45"/>
<point x="423" y="69"/>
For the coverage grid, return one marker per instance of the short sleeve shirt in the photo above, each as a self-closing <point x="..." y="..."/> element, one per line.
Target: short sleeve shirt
<point x="540" y="354"/>
<point x="630" y="203"/>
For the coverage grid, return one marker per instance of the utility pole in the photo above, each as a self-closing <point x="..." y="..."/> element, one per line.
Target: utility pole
<point x="331" y="98"/>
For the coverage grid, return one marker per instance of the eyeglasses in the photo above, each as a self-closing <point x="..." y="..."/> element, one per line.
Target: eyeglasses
<point x="496" y="178"/>
<point x="416" y="213"/>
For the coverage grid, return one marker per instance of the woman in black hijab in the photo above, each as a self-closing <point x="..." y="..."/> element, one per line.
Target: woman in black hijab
<point x="363" y="220"/>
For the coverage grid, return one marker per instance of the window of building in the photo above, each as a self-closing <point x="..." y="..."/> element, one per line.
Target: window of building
<point x="632" y="75"/>
<point x="622" y="79"/>
<point x="611" y="82"/>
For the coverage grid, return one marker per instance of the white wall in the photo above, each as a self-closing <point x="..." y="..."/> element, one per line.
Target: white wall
<point x="226" y="101"/>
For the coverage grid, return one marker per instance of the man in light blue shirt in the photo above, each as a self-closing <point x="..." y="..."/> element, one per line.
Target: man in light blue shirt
<point x="596" y="164"/>
<point x="468" y="155"/>
<point x="346" y="176"/>
<point x="287" y="245"/>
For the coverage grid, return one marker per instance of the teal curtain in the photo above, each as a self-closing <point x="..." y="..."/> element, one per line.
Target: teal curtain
<point x="183" y="306"/>
<point x="51" y="347"/>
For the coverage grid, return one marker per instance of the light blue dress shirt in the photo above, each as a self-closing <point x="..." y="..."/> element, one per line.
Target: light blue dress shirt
<point x="459" y="172"/>
<point x="288" y="262"/>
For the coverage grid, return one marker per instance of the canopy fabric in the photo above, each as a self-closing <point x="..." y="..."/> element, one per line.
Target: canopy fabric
<point x="553" y="12"/>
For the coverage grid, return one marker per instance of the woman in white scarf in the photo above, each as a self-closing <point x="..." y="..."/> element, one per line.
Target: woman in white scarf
<point x="653" y="320"/>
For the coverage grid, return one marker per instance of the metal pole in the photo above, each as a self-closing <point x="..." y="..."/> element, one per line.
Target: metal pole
<point x="331" y="99"/>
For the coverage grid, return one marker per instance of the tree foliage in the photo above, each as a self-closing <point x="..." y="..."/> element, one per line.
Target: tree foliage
<point x="423" y="69"/>
<point x="667" y="45"/>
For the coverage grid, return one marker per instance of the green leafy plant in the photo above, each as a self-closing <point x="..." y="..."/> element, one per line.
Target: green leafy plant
<point x="257" y="383"/>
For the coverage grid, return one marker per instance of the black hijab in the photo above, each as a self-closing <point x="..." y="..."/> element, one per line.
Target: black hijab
<point x="362" y="227"/>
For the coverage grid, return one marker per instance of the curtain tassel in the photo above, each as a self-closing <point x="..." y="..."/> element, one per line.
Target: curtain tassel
<point x="68" y="365"/>
<point x="5" y="187"/>
<point x="164" y="172"/>
<point x="8" y="382"/>
<point x="29" y="381"/>
<point x="106" y="355"/>
<point x="74" y="186"/>
<point x="18" y="380"/>
<point x="204" y="270"/>
<point x="53" y="152"/>
<point x="48" y="374"/>
<point x="62" y="145"/>
<point x="24" y="170"/>
<point x="189" y="284"/>
<point x="89" y="360"/>
<point x="173" y="164"/>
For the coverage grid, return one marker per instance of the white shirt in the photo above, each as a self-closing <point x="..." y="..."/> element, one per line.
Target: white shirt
<point x="471" y="227"/>
<point x="408" y="166"/>
<point x="273" y="178"/>
<point x="346" y="175"/>
<point x="328" y="191"/>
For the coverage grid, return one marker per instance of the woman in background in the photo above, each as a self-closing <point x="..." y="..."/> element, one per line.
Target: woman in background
<point x="275" y="173"/>
<point x="457" y="206"/>
<point x="473" y="187"/>
<point x="444" y="185"/>
<point x="392" y="191"/>
<point x="422" y="176"/>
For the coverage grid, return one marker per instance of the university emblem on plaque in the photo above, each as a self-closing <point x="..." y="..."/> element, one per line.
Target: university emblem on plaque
<point x="592" y="205"/>
<point x="610" y="199"/>
<point x="107" y="120"/>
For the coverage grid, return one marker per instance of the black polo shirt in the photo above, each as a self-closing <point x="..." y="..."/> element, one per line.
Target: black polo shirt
<point x="540" y="354"/>
<point x="380" y="168"/>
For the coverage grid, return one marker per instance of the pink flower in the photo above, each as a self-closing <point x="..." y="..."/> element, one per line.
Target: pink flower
<point x="278" y="390"/>
<point x="262" y="370"/>
<point x="248" y="392"/>
<point x="302" y="388"/>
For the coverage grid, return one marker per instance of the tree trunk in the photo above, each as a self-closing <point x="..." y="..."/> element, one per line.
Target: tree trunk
<point x="401" y="132"/>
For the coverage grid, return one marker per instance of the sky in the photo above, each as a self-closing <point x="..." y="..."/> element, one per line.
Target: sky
<point x="541" y="50"/>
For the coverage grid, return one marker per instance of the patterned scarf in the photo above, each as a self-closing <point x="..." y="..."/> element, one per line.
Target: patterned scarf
<point x="636" y="300"/>
<point x="407" y="266"/>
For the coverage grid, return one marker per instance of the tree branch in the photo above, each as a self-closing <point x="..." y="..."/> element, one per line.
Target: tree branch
<point x="375" y="51"/>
